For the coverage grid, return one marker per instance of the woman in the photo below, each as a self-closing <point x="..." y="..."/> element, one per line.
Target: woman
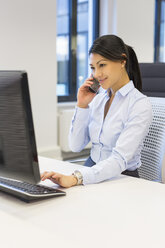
<point x="115" y="121"/>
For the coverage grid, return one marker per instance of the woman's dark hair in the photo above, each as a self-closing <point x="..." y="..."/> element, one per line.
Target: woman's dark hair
<point x="113" y="48"/>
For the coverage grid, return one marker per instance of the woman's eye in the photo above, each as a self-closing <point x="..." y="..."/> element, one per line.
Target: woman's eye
<point x="92" y="68"/>
<point x="102" y="65"/>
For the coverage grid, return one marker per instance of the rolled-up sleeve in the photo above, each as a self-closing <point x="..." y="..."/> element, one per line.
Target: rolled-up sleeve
<point x="127" y="145"/>
<point x="79" y="134"/>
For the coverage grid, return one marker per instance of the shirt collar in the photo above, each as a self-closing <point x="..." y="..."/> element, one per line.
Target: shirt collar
<point x="125" y="89"/>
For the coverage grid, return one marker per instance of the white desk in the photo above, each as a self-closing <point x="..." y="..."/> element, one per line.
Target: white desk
<point x="122" y="213"/>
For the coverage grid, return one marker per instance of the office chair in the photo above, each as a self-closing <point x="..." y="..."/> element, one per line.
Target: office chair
<point x="153" y="151"/>
<point x="152" y="154"/>
<point x="153" y="79"/>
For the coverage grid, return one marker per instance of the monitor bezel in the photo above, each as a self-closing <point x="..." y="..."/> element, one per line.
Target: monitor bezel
<point x="26" y="101"/>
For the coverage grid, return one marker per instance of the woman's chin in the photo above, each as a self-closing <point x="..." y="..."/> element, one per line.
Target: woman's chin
<point x="104" y="87"/>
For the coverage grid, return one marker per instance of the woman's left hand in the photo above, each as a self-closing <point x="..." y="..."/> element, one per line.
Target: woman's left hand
<point x="60" y="179"/>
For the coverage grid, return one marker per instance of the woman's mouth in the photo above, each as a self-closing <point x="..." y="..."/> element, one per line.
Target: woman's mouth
<point x="101" y="81"/>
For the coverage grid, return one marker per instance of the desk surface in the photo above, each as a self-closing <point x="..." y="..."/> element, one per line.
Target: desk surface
<point x="123" y="212"/>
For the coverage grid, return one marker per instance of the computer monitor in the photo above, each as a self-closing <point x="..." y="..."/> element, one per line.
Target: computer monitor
<point x="18" y="153"/>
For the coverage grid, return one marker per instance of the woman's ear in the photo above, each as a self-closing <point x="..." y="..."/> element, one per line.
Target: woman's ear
<point x="123" y="62"/>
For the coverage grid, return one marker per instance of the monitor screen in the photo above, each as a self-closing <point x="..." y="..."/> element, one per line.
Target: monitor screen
<point x="18" y="153"/>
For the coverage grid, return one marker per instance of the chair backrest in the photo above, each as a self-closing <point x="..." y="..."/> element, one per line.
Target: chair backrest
<point x="152" y="154"/>
<point x="153" y="79"/>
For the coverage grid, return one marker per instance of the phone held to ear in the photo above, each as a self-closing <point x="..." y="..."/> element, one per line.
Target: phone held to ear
<point x="95" y="86"/>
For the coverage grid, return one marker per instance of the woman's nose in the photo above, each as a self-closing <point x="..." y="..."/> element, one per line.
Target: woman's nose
<point x="96" y="74"/>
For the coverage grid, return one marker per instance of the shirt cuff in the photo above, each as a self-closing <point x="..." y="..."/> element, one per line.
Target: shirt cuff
<point x="87" y="174"/>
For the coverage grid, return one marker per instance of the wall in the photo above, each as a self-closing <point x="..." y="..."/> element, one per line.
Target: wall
<point x="133" y="21"/>
<point x="107" y="17"/>
<point x="28" y="42"/>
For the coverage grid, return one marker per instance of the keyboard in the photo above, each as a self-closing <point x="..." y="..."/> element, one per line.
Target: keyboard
<point x="27" y="191"/>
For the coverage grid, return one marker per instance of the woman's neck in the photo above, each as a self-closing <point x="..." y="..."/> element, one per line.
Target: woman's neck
<point x="123" y="81"/>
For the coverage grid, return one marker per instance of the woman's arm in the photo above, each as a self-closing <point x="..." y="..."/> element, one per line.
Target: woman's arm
<point x="79" y="135"/>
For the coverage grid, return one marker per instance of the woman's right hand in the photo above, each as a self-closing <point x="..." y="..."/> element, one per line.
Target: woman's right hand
<point x="84" y="95"/>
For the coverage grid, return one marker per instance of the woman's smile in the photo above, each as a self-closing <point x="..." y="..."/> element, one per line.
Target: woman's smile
<point x="101" y="81"/>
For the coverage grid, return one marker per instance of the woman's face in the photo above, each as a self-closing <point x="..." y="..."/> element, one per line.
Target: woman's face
<point x="110" y="74"/>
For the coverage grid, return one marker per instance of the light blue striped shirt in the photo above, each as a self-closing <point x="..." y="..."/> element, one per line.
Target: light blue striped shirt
<point x="117" y="139"/>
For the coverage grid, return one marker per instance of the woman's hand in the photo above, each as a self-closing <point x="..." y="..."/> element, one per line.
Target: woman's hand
<point x="60" y="179"/>
<point x="84" y="95"/>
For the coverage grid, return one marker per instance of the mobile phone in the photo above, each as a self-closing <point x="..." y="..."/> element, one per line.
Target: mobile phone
<point x="95" y="86"/>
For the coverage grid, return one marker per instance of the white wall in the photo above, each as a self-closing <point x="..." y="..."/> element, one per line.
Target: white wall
<point x="107" y="17"/>
<point x="133" y="21"/>
<point x="28" y="42"/>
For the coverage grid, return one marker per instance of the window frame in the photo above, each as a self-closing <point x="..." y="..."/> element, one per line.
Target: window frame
<point x="72" y="70"/>
<point x="157" y="29"/>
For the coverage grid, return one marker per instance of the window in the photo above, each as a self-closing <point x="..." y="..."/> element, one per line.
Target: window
<point x="160" y="31"/>
<point x="77" y="27"/>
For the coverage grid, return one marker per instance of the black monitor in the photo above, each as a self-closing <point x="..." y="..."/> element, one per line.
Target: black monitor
<point x="18" y="153"/>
